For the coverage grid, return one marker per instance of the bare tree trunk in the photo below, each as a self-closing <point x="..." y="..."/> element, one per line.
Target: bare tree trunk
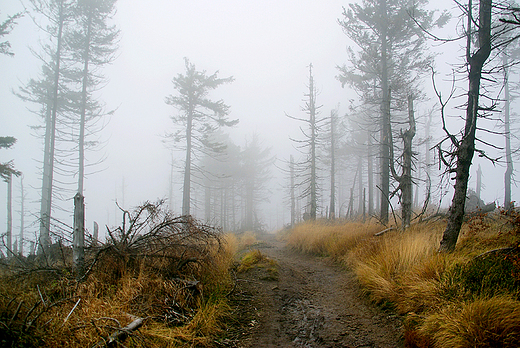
<point x="364" y="204"/>
<point x="78" y="250"/>
<point x="249" y="206"/>
<point x="83" y="110"/>
<point x="207" y="202"/>
<point x="22" y="215"/>
<point x="170" y="193"/>
<point x="187" y="169"/>
<point x="466" y="147"/>
<point x="479" y="182"/>
<point x="9" y="214"/>
<point x="507" y="123"/>
<point x="406" y="177"/>
<point x="50" y="138"/>
<point x="95" y="236"/>
<point x="332" y="209"/>
<point x="385" y="120"/>
<point x="312" y="114"/>
<point x="427" y="158"/>
<point x="370" y="173"/>
<point x="360" y="185"/>
<point x="293" y="200"/>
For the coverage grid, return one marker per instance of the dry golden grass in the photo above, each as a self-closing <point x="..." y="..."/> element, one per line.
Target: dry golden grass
<point x="329" y="239"/>
<point x="177" y="312"/>
<point x="493" y="322"/>
<point x="437" y="294"/>
<point x="247" y="240"/>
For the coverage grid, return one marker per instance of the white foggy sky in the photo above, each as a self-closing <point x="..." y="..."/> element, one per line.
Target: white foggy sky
<point x="265" y="45"/>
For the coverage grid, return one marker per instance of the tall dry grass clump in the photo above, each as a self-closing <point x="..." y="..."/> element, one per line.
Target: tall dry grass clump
<point x="468" y="298"/>
<point x="159" y="280"/>
<point x="484" y="322"/>
<point x="334" y="240"/>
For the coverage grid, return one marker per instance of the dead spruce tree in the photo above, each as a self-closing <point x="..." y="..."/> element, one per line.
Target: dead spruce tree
<point x="52" y="96"/>
<point x="307" y="168"/>
<point x="489" y="30"/>
<point x="404" y="180"/>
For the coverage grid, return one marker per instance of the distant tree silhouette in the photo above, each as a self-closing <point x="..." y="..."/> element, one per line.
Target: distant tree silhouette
<point x="198" y="118"/>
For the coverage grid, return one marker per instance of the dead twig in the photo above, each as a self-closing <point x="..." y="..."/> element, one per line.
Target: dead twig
<point x="120" y="334"/>
<point x="384" y="231"/>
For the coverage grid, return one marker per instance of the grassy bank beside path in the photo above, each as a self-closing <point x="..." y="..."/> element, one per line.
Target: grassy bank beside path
<point x="468" y="298"/>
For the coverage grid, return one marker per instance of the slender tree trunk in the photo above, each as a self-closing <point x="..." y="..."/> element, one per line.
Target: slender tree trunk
<point x="249" y="206"/>
<point x="427" y="157"/>
<point x="466" y="146"/>
<point x="48" y="163"/>
<point x="332" y="209"/>
<point x="370" y="174"/>
<point x="9" y="215"/>
<point x="187" y="168"/>
<point x="385" y="119"/>
<point x="360" y="185"/>
<point x="170" y="193"/>
<point x="46" y="193"/>
<point x="95" y="235"/>
<point x="293" y="200"/>
<point x="509" y="160"/>
<point x="22" y="215"/>
<point x="479" y="183"/>
<point x="313" y="179"/>
<point x="84" y="97"/>
<point x="406" y="177"/>
<point x="207" y="202"/>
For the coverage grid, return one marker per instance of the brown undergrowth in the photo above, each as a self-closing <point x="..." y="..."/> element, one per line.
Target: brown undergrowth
<point x="468" y="298"/>
<point x="170" y="272"/>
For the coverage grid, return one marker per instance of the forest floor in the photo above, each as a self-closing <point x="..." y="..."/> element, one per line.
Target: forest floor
<point x="311" y="303"/>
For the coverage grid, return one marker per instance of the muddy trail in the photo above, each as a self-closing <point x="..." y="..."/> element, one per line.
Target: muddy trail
<point x="311" y="303"/>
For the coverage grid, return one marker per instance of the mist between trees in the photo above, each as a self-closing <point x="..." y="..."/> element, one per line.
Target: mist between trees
<point x="388" y="149"/>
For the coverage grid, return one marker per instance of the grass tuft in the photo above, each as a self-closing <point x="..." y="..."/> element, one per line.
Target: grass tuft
<point x="255" y="260"/>
<point x="493" y="322"/>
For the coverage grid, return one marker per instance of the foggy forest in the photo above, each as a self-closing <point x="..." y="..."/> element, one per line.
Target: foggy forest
<point x="241" y="170"/>
<point x="251" y="118"/>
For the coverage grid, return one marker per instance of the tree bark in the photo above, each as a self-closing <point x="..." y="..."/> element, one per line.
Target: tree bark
<point x="293" y="199"/>
<point x="313" y="179"/>
<point x="370" y="174"/>
<point x="406" y="177"/>
<point x="332" y="209"/>
<point x="22" y="216"/>
<point x="84" y="97"/>
<point x="466" y="146"/>
<point x="479" y="182"/>
<point x="187" y="168"/>
<point x="78" y="250"/>
<point x="507" y="123"/>
<point x="50" y="139"/>
<point x="9" y="214"/>
<point x="385" y="119"/>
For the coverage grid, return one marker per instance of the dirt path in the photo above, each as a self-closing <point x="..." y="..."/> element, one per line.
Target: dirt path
<point x="314" y="303"/>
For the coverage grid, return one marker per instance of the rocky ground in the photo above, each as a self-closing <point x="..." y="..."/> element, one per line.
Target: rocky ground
<point x="313" y="303"/>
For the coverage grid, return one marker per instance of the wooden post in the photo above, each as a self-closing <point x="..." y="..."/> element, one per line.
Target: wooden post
<point x="9" y="214"/>
<point x="364" y="204"/>
<point x="78" y="250"/>
<point x="96" y="233"/>
<point x="479" y="182"/>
